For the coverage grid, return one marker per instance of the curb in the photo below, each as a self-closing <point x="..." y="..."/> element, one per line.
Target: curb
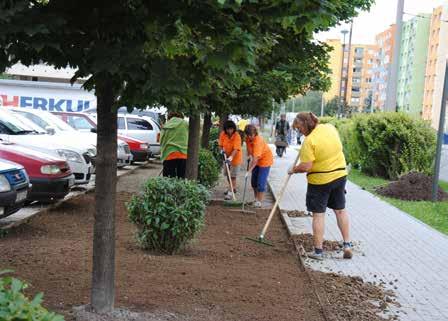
<point x="57" y="204"/>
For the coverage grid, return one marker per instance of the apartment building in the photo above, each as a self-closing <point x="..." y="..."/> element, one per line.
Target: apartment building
<point x="357" y="73"/>
<point x="412" y="64"/>
<point x="435" y="65"/>
<point x="335" y="67"/>
<point x="360" y="75"/>
<point x="385" y="42"/>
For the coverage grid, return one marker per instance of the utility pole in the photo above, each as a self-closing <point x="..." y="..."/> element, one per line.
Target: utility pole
<point x="322" y="106"/>
<point x="435" y="180"/>
<point x="344" y="33"/>
<point x="392" y="79"/>
<point x="348" y="62"/>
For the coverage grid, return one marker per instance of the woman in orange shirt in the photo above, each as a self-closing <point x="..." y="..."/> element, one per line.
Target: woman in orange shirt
<point x="261" y="160"/>
<point x="230" y="144"/>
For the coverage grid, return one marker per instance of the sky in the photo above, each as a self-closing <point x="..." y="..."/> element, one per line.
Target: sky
<point x="382" y="14"/>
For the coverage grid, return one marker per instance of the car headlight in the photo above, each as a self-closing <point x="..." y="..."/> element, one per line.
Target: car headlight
<point x="91" y="152"/>
<point x="4" y="184"/>
<point x="50" y="169"/>
<point x="143" y="146"/>
<point x="70" y="155"/>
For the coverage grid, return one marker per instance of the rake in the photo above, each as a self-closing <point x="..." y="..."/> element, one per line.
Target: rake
<point x="233" y="202"/>
<point x="243" y="210"/>
<point x="261" y="238"/>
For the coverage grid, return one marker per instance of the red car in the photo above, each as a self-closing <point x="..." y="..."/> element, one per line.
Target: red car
<point x="50" y="177"/>
<point x="84" y="122"/>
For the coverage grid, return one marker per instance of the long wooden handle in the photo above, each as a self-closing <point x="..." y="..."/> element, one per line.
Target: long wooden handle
<point x="229" y="177"/>
<point x="277" y="201"/>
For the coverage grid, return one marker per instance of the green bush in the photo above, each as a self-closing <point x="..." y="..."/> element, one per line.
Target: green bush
<point x="391" y="144"/>
<point x="168" y="214"/>
<point x="15" y="306"/>
<point x="214" y="145"/>
<point x="214" y="134"/>
<point x="208" y="172"/>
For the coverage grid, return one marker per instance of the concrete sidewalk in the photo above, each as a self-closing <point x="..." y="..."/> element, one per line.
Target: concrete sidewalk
<point x="391" y="247"/>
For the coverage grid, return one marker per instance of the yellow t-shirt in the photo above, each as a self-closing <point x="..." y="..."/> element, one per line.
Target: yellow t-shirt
<point x="323" y="147"/>
<point x="242" y="124"/>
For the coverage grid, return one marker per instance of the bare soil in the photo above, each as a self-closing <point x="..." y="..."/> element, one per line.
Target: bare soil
<point x="296" y="213"/>
<point x="361" y="301"/>
<point x="413" y="186"/>
<point x="306" y="241"/>
<point x="221" y="276"/>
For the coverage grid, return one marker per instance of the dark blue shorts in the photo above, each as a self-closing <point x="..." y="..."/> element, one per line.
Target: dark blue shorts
<point x="260" y="178"/>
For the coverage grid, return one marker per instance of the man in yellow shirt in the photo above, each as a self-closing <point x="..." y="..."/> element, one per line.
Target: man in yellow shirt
<point x="322" y="158"/>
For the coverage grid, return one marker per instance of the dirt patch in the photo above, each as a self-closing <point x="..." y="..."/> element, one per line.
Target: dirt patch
<point x="296" y="213"/>
<point x="413" y="186"/>
<point x="306" y="240"/>
<point x="360" y="301"/>
<point x="221" y="275"/>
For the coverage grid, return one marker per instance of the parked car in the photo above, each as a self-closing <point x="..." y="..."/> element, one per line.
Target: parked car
<point x="86" y="123"/>
<point x="140" y="128"/>
<point x="16" y="129"/>
<point x="155" y="116"/>
<point x="143" y="128"/>
<point x="14" y="187"/>
<point x="53" y="125"/>
<point x="50" y="177"/>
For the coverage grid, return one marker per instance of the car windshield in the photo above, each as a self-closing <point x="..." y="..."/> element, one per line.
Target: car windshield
<point x="16" y="126"/>
<point x="45" y="120"/>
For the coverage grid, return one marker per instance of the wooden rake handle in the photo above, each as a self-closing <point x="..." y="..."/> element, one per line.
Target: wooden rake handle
<point x="228" y="176"/>
<point x="277" y="201"/>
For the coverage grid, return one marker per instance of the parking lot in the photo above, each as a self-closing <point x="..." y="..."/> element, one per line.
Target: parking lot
<point x="35" y="208"/>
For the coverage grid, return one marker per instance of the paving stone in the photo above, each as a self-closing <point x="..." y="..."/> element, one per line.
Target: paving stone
<point x="389" y="244"/>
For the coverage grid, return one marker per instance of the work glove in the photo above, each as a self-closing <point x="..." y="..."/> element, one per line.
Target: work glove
<point x="227" y="161"/>
<point x="222" y="152"/>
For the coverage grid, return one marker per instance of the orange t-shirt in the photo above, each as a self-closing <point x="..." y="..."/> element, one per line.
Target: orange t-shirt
<point x="229" y="144"/>
<point x="259" y="148"/>
<point x="176" y="155"/>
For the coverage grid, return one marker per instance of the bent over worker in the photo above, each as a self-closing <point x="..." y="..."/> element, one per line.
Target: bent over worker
<point x="322" y="158"/>
<point x="261" y="160"/>
<point x="174" y="145"/>
<point x="230" y="144"/>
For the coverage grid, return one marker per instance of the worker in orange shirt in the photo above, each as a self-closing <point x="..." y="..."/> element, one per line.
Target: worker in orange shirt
<point x="261" y="160"/>
<point x="230" y="144"/>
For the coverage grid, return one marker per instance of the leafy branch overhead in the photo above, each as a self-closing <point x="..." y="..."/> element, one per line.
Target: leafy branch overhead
<point x="176" y="53"/>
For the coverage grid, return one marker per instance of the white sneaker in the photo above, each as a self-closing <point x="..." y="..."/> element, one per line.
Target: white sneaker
<point x="257" y="204"/>
<point x="228" y="197"/>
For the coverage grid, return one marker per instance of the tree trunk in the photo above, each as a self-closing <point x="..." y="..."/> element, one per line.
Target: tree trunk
<point x="194" y="128"/>
<point x="206" y="129"/>
<point x="103" y="274"/>
<point x="222" y="119"/>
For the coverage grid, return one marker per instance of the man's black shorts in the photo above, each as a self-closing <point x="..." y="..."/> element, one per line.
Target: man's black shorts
<point x="331" y="195"/>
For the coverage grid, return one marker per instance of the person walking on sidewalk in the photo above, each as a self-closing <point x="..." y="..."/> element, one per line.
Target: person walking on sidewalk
<point x="322" y="158"/>
<point x="174" y="145"/>
<point x="230" y="145"/>
<point x="261" y="160"/>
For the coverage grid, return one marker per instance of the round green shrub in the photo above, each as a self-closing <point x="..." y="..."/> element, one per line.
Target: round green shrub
<point x="391" y="144"/>
<point x="208" y="173"/>
<point x="168" y="214"/>
<point x="15" y="306"/>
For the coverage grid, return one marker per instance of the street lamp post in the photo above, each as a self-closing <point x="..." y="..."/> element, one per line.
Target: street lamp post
<point x="344" y="33"/>
<point x="348" y="62"/>
<point x="435" y="180"/>
<point x="392" y="79"/>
